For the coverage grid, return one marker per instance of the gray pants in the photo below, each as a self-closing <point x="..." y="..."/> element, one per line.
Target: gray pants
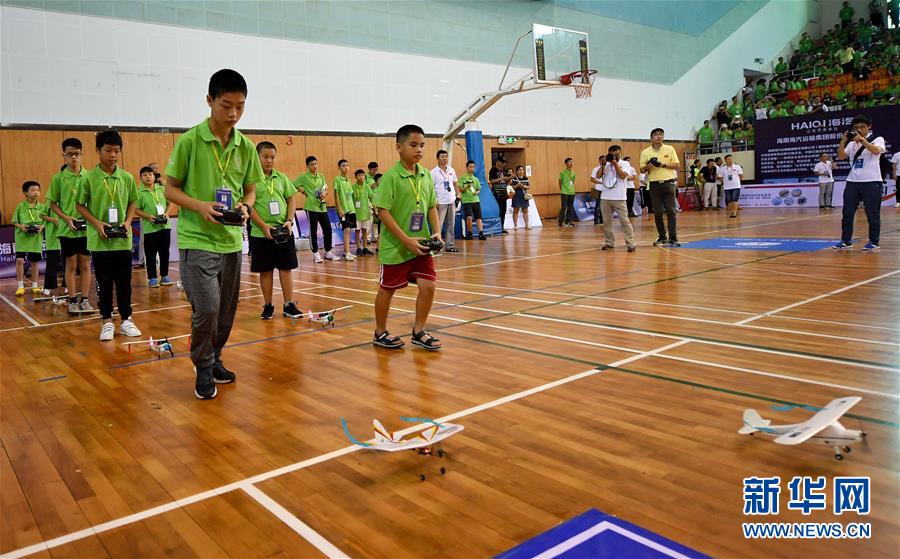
<point x="447" y="221"/>
<point x="211" y="282"/>
<point x="606" y="209"/>
<point x="825" y="190"/>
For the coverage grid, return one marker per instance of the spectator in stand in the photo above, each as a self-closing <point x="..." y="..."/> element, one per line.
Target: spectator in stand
<point x="894" y="12"/>
<point x="751" y="135"/>
<point x="706" y="136"/>
<point x="846" y="15"/>
<point x="781" y="67"/>
<point x="806" y="43"/>
<point x="759" y="92"/>
<point x="735" y="108"/>
<point x="864" y="33"/>
<point x="876" y="13"/>
<point x="861" y="70"/>
<point x="778" y="111"/>
<point x="725" y="137"/>
<point x="762" y="109"/>
<point x="800" y="108"/>
<point x="722" y="116"/>
<point x="824" y="169"/>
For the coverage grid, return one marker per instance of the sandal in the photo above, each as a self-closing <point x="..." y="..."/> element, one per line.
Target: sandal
<point x="387" y="341"/>
<point x="426" y="341"/>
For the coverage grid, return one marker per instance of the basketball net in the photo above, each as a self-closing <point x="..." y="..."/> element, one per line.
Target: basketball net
<point x="581" y="83"/>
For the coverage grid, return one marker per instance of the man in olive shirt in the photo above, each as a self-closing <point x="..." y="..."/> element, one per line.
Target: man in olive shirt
<point x="567" y="195"/>
<point x="213" y="167"/>
<point x="660" y="162"/>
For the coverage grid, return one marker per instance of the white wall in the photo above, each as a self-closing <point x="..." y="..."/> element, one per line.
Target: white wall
<point x="66" y="69"/>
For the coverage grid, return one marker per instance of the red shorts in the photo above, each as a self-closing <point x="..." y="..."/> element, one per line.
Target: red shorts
<point x="398" y="276"/>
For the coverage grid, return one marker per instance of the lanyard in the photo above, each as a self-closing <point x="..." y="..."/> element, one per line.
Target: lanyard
<point x="415" y="187"/>
<point x="222" y="168"/>
<point x="31" y="212"/>
<point x="270" y="188"/>
<point x="112" y="193"/>
<point x="75" y="179"/>
<point x="153" y="193"/>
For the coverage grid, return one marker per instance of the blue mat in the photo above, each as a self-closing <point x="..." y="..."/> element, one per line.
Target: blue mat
<point x="596" y="535"/>
<point x="742" y="243"/>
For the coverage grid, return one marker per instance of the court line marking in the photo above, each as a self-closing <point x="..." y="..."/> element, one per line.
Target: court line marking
<point x="16" y="308"/>
<point x="294" y="523"/>
<point x="97" y="529"/>
<point x="816" y="298"/>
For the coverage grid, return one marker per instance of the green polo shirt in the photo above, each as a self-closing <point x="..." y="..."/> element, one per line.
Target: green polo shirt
<point x="275" y="188"/>
<point x="309" y="183"/>
<point x="28" y="214"/>
<point x="148" y="201"/>
<point x="343" y="192"/>
<point x="469" y="186"/>
<point x="370" y="180"/>
<point x="705" y="135"/>
<point x="362" y="200"/>
<point x="397" y="193"/>
<point x="800" y="110"/>
<point x="846" y="13"/>
<point x="781" y="67"/>
<point x="100" y="192"/>
<point x="567" y="176"/>
<point x="203" y="167"/>
<point x="64" y="188"/>
<point x="52" y="230"/>
<point x="735" y="109"/>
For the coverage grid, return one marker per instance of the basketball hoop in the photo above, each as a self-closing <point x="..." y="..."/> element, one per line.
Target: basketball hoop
<point x="582" y="82"/>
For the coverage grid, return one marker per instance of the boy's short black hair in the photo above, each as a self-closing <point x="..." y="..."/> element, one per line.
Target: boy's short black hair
<point x="226" y="81"/>
<point x="377" y="177"/>
<point x="406" y="130"/>
<point x="358" y="172"/>
<point x="729" y="155"/>
<point x="567" y="159"/>
<point x="861" y="119"/>
<point x="614" y="147"/>
<point x="342" y="161"/>
<point x="469" y="162"/>
<point x="440" y="152"/>
<point x="108" y="138"/>
<point x="28" y="184"/>
<point x="265" y="145"/>
<point x="71" y="143"/>
<point x="146" y="169"/>
<point x="708" y="161"/>
<point x="373" y="165"/>
<point x="655" y="130"/>
<point x="310" y="159"/>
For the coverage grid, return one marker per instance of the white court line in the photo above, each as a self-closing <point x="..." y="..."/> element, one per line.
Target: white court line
<point x="294" y="523"/>
<point x="20" y="311"/>
<point x="155" y="511"/>
<point x="816" y="298"/>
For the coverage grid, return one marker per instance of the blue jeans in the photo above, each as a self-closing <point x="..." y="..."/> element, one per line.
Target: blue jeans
<point x="870" y="194"/>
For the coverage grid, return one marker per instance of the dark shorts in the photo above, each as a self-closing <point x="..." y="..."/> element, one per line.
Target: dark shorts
<point x="30" y="256"/>
<point x="349" y="221"/>
<point x="398" y="276"/>
<point x="70" y="246"/>
<point x="732" y="195"/>
<point x="472" y="209"/>
<point x="267" y="255"/>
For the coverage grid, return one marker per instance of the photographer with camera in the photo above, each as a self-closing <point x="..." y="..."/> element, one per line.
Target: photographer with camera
<point x="153" y="209"/>
<point x="864" y="182"/>
<point x="615" y="175"/>
<point x="660" y="162"/>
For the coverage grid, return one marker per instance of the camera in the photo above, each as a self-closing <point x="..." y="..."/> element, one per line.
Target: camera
<point x="79" y="224"/>
<point x="851" y="135"/>
<point x="280" y="234"/>
<point x="160" y="220"/>
<point x="610" y="158"/>
<point x="229" y="217"/>
<point x="655" y="162"/>
<point x="32" y="229"/>
<point x="432" y="244"/>
<point x="115" y="231"/>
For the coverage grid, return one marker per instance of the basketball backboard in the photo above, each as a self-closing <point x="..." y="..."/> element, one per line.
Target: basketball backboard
<point x="558" y="52"/>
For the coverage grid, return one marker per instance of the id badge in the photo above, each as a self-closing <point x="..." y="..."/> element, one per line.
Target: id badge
<point x="416" y="221"/>
<point x="113" y="216"/>
<point x="274" y="207"/>
<point x="730" y="177"/>
<point x="571" y="183"/>
<point x="359" y="204"/>
<point x="858" y="164"/>
<point x="224" y="197"/>
<point x="447" y="186"/>
<point x="160" y="209"/>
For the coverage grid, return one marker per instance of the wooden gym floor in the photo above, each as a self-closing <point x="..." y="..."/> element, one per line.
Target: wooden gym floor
<point x="585" y="379"/>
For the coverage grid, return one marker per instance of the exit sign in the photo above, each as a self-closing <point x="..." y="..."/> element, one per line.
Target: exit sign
<point x="507" y="140"/>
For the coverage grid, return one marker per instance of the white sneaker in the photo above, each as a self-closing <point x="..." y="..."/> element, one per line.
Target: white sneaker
<point x="46" y="292"/>
<point x="897" y="205"/>
<point x="350" y="257"/>
<point x="107" y="331"/>
<point x="86" y="305"/>
<point x="331" y="256"/>
<point x="317" y="258"/>
<point x="129" y="329"/>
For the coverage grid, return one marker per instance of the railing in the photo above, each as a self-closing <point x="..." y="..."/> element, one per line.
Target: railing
<point x="725" y="146"/>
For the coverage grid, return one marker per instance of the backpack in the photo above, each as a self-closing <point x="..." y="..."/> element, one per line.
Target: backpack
<point x="884" y="163"/>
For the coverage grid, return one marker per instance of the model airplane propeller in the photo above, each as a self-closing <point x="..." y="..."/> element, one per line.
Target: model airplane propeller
<point x="159" y="346"/>
<point x="822" y="428"/>
<point x="422" y="441"/>
<point x="325" y="318"/>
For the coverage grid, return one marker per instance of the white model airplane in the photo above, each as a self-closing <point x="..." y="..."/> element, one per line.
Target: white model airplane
<point x="422" y="442"/>
<point x="325" y="318"/>
<point x="823" y="427"/>
<point x="159" y="346"/>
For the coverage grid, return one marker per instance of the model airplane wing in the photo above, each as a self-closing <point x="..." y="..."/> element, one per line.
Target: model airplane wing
<point x="389" y="441"/>
<point x="828" y="415"/>
<point x="160" y="340"/>
<point x="314" y="314"/>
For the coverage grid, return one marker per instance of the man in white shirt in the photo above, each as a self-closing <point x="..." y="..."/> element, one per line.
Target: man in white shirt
<point x="864" y="182"/>
<point x="731" y="175"/>
<point x="615" y="175"/>
<point x="447" y="193"/>
<point x="825" y="171"/>
<point x="895" y="165"/>
<point x="597" y="183"/>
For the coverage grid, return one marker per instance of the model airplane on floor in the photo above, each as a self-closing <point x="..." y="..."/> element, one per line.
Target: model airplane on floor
<point x="422" y="442"/>
<point x="325" y="318"/>
<point x="822" y="428"/>
<point x="159" y="346"/>
<point x="54" y="298"/>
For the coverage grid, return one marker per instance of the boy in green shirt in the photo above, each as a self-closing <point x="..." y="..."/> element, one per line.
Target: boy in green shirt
<point x="63" y="195"/>
<point x="153" y="209"/>
<point x="107" y="200"/>
<point x="405" y="199"/>
<point x="567" y="195"/>
<point x="470" y="187"/>
<point x="275" y="207"/>
<point x="28" y="219"/>
<point x="362" y="200"/>
<point x="314" y="188"/>
<point x="705" y="135"/>
<point x="370" y="176"/>
<point x="213" y="165"/>
<point x="343" y="204"/>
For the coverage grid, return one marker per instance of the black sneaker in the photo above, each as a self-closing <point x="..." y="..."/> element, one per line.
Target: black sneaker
<point x="367" y="252"/>
<point x="481" y="237"/>
<point x="205" y="389"/>
<point x="221" y="375"/>
<point x="290" y="310"/>
<point x="660" y="242"/>
<point x="268" y="312"/>
<point x="359" y="252"/>
<point x="674" y="243"/>
<point x="468" y="237"/>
